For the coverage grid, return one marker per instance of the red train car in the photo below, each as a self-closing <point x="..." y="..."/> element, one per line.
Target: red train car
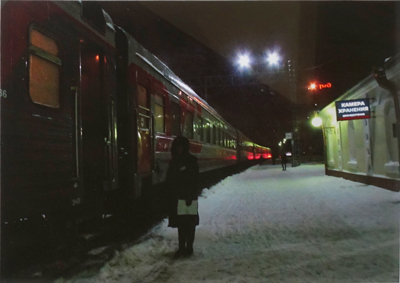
<point x="88" y="113"/>
<point x="58" y="130"/>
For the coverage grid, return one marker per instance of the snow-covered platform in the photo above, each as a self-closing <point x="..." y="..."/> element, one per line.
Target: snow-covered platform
<point x="269" y="225"/>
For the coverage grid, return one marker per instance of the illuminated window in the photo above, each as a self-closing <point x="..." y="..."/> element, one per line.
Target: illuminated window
<point x="207" y="131"/>
<point x="44" y="70"/>
<point x="188" y="126"/>
<point x="390" y="129"/>
<point x="159" y="125"/>
<point x="352" y="141"/>
<point x="214" y="135"/>
<point x="200" y="135"/>
<point x="175" y="119"/>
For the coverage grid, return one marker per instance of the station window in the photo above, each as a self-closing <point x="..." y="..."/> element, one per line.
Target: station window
<point x="188" y="126"/>
<point x="44" y="70"/>
<point x="159" y="125"/>
<point x="175" y="119"/>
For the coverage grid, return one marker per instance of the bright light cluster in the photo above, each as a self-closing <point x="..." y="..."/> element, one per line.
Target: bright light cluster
<point x="273" y="58"/>
<point x="244" y="60"/>
<point x="316" y="122"/>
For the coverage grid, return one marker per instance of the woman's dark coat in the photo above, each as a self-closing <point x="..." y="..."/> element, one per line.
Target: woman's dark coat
<point x="182" y="183"/>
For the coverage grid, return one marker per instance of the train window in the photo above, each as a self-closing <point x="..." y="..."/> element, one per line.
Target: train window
<point x="200" y="135"/>
<point x="207" y="132"/>
<point x="175" y="119"/>
<point x="44" y="70"/>
<point x="142" y="98"/>
<point x="188" y="125"/>
<point x="214" y="135"/>
<point x="144" y="112"/>
<point x="224" y="139"/>
<point x="159" y="125"/>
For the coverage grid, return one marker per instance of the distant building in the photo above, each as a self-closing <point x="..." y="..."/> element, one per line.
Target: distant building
<point x="359" y="148"/>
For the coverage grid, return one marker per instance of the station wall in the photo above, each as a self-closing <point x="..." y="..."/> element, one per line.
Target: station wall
<point x="365" y="150"/>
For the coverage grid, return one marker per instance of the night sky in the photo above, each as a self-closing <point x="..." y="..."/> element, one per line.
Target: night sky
<point x="336" y="42"/>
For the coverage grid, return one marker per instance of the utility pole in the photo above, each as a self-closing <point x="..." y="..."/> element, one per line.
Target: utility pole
<point x="293" y="91"/>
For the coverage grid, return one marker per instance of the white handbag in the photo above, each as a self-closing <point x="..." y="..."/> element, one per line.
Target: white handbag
<point x="184" y="209"/>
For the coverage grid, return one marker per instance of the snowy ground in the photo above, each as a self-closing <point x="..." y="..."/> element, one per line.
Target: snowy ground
<point x="269" y="225"/>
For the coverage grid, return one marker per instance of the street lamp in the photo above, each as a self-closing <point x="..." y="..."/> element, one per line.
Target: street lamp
<point x="273" y="58"/>
<point x="318" y="123"/>
<point x="244" y="60"/>
<point x="312" y="86"/>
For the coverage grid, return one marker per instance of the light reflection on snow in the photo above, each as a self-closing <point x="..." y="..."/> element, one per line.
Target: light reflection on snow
<point x="269" y="225"/>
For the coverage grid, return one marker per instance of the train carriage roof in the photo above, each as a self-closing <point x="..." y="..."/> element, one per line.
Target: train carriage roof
<point x="137" y="51"/>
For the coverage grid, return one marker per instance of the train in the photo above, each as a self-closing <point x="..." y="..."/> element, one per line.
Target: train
<point x="88" y="113"/>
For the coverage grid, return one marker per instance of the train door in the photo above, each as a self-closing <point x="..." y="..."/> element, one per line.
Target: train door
<point x="144" y="131"/>
<point x="95" y="120"/>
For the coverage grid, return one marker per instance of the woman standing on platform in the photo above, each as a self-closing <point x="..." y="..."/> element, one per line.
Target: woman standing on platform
<point x="182" y="190"/>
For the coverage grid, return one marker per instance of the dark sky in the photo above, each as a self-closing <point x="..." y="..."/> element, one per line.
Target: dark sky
<point x="335" y="41"/>
<point x="345" y="39"/>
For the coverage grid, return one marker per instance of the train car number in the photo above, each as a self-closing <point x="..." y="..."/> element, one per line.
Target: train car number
<point x="3" y="93"/>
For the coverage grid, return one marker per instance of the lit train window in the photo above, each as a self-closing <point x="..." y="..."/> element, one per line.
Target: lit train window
<point x="175" y="119"/>
<point x="44" y="70"/>
<point x="200" y="135"/>
<point x="224" y="137"/>
<point x="188" y="125"/>
<point x="214" y="135"/>
<point x="207" y="132"/>
<point x="159" y="125"/>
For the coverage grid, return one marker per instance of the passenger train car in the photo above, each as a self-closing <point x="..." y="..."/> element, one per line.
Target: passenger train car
<point x="87" y="112"/>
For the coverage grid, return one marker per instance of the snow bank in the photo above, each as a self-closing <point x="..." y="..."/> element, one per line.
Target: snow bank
<point x="269" y="225"/>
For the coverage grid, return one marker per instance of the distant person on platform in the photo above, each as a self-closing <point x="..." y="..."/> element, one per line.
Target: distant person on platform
<point x="182" y="190"/>
<point x="284" y="161"/>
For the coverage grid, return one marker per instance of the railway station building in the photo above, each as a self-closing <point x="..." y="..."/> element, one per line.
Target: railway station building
<point x="360" y="130"/>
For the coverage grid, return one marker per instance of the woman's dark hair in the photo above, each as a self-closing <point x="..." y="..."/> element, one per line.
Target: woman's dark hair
<point x="181" y="142"/>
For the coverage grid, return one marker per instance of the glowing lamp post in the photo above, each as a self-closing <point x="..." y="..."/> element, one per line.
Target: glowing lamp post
<point x="316" y="122"/>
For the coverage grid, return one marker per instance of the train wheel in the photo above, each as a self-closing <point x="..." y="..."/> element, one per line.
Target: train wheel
<point x="62" y="228"/>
